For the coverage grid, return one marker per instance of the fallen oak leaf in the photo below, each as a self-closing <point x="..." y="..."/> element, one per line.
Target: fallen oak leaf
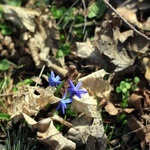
<point x="111" y="109"/>
<point x="146" y="64"/>
<point x="96" y="85"/>
<point x="86" y="104"/>
<point x="20" y="16"/>
<point x="137" y="126"/>
<point x="136" y="102"/>
<point x="129" y="15"/>
<point x="48" y="134"/>
<point x="26" y="101"/>
<point x="61" y="120"/>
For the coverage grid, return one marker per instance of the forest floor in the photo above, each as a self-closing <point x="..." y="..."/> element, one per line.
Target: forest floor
<point x="74" y="74"/>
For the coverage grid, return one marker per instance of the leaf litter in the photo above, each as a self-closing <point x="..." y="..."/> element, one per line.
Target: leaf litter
<point x="113" y="51"/>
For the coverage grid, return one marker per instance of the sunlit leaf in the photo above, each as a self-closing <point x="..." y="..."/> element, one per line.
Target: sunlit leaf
<point x="4" y="116"/>
<point x="14" y="2"/>
<point x="4" y="64"/>
<point x="63" y="50"/>
<point x="96" y="9"/>
<point x="6" y="29"/>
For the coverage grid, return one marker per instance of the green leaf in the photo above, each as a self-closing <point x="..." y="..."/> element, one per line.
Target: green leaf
<point x="127" y="85"/>
<point x="124" y="90"/>
<point x="136" y="79"/>
<point x="59" y="88"/>
<point x="4" y="116"/>
<point x="63" y="51"/>
<point x="122" y="84"/>
<point x="58" y="12"/>
<point x="4" y="64"/>
<point x="28" y="81"/>
<point x="6" y="29"/>
<point x="96" y="9"/>
<point x="14" y="2"/>
<point x="118" y="89"/>
<point x="71" y="113"/>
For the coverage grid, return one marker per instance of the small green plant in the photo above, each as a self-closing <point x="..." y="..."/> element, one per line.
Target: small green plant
<point x="4" y="116"/>
<point x="126" y="87"/>
<point x="6" y="29"/>
<point x="25" y="82"/>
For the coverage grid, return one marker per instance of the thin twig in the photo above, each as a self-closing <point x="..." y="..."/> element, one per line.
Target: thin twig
<point x="40" y="74"/>
<point x="85" y="19"/>
<point x="9" y="94"/>
<point x="125" y="21"/>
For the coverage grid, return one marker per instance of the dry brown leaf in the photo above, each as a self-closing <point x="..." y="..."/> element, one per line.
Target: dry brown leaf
<point x="138" y="44"/>
<point x="52" y="137"/>
<point x="111" y="109"/>
<point x="135" y="101"/>
<point x="49" y="135"/>
<point x="80" y="130"/>
<point x="115" y="52"/>
<point x="86" y="50"/>
<point x="137" y="126"/>
<point x="147" y="135"/>
<point x="96" y="85"/>
<point x="147" y="98"/>
<point x="146" y="25"/>
<point x="61" y="120"/>
<point x="129" y="15"/>
<point x="21" y="16"/>
<point x="125" y="110"/>
<point x="86" y="104"/>
<point x="88" y="131"/>
<point x="122" y="37"/>
<point x="146" y="64"/>
<point x="43" y="33"/>
<point x="97" y="139"/>
<point x="25" y="101"/>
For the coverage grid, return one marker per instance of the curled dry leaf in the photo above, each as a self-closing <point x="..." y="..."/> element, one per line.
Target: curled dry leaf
<point x="97" y="139"/>
<point x="20" y="16"/>
<point x="43" y="34"/>
<point x="80" y="130"/>
<point x="146" y="64"/>
<point x="125" y="110"/>
<point x="86" y="104"/>
<point x="52" y="137"/>
<point x="147" y="134"/>
<point x="25" y="101"/>
<point x="96" y="85"/>
<point x="88" y="131"/>
<point x="111" y="50"/>
<point x="86" y="50"/>
<point x="136" y="126"/>
<point x="117" y="50"/>
<point x="61" y="120"/>
<point x="136" y="102"/>
<point x="147" y="99"/>
<point x="49" y="135"/>
<point x="111" y="109"/>
<point x="129" y="15"/>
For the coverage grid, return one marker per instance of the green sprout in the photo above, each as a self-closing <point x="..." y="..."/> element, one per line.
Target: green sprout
<point x="126" y="87"/>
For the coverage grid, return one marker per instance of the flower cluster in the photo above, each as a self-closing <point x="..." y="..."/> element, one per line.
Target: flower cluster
<point x="73" y="90"/>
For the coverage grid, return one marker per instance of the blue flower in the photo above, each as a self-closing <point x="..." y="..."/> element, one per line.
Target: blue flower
<point x="75" y="90"/>
<point x="62" y="104"/>
<point x="54" y="81"/>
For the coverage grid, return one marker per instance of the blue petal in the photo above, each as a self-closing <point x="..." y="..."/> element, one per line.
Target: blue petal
<point x="58" y="106"/>
<point x="69" y="100"/>
<point x="78" y="85"/>
<point x="57" y="78"/>
<point x="52" y="75"/>
<point x="71" y="85"/>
